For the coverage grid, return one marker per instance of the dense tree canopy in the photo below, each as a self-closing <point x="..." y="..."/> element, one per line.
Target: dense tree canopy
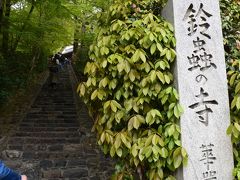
<point x="31" y="30"/>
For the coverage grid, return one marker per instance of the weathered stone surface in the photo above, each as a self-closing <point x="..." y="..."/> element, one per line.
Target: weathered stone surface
<point x="28" y="155"/>
<point x="60" y="163"/>
<point x="13" y="164"/>
<point x="74" y="173"/>
<point x="53" y="173"/>
<point x="57" y="147"/>
<point x="73" y="147"/>
<point x="49" y="143"/>
<point x="77" y="162"/>
<point x="2" y="139"/>
<point x="202" y="85"/>
<point x="84" y="178"/>
<point x="94" y="178"/>
<point x="12" y="154"/>
<point x="46" y="164"/>
<point x="17" y="147"/>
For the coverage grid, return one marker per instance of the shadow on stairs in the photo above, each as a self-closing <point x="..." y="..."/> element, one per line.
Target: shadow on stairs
<point x="48" y="144"/>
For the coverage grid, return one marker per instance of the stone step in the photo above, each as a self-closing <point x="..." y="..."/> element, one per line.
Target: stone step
<point x="30" y="155"/>
<point x="46" y="115"/>
<point x="58" y="134"/>
<point x="49" y="140"/>
<point x="66" y="173"/>
<point x="49" y="105"/>
<point x="49" y="169"/>
<point x="53" y="102"/>
<point x="32" y="124"/>
<point x="63" y="163"/>
<point x="84" y="178"/>
<point x="49" y="121"/>
<point x="50" y="143"/>
<point x="65" y="97"/>
<point x="49" y="129"/>
<point x="51" y="110"/>
<point x="57" y="152"/>
<point x="48" y="147"/>
<point x="49" y="115"/>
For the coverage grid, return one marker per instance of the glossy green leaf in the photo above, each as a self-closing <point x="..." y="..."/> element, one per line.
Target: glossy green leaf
<point x="237" y="126"/>
<point x="153" y="48"/>
<point x="168" y="54"/>
<point x="167" y="79"/>
<point x="117" y="142"/>
<point x="119" y="152"/>
<point x="134" y="150"/>
<point x="113" y="107"/>
<point x="112" y="151"/>
<point x="94" y="95"/>
<point x="159" y="46"/>
<point x="177" y="161"/>
<point x="232" y="79"/>
<point x="142" y="56"/>
<point x="164" y="152"/>
<point x="237" y="89"/>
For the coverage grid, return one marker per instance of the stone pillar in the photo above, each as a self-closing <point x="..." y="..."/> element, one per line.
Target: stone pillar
<point x="202" y="84"/>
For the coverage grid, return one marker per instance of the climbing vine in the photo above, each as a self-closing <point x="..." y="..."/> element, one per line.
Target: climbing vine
<point x="130" y="92"/>
<point x="230" y="19"/>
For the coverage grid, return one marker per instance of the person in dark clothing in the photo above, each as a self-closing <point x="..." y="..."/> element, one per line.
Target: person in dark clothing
<point x="53" y="66"/>
<point x="8" y="174"/>
<point x="62" y="59"/>
<point x="57" y="56"/>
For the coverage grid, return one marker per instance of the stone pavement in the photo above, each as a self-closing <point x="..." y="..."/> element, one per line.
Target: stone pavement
<point x="54" y="142"/>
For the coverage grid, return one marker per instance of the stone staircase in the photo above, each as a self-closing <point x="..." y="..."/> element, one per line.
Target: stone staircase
<point x="50" y="144"/>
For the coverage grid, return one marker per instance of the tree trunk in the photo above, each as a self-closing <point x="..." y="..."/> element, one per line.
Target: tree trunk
<point x="2" y="4"/>
<point x="34" y="59"/>
<point x="23" y="27"/>
<point x="75" y="43"/>
<point x="1" y="13"/>
<point x="5" y="27"/>
<point x="76" y="34"/>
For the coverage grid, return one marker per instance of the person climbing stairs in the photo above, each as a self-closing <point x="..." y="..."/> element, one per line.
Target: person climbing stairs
<point x="49" y="143"/>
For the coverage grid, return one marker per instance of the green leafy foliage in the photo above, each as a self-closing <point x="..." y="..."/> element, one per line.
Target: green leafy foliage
<point x="85" y="13"/>
<point x="130" y="92"/>
<point x="230" y="10"/>
<point x="30" y="31"/>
